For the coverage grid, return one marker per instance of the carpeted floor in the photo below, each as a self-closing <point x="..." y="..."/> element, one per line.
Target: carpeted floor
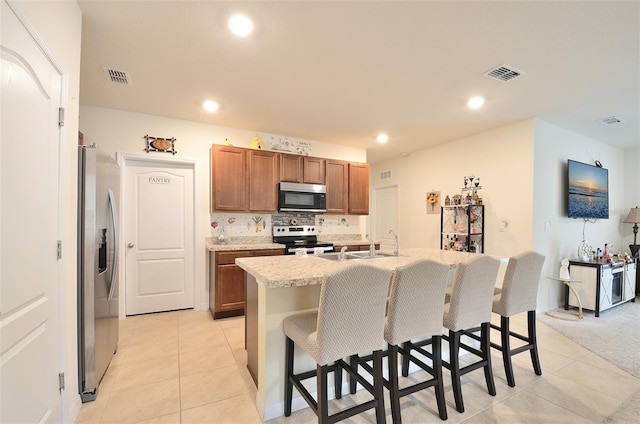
<point x="615" y="336"/>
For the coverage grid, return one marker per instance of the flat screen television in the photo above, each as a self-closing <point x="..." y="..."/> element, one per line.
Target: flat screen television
<point x="588" y="191"/>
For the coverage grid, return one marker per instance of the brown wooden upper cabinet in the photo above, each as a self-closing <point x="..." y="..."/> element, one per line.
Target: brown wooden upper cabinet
<point x="337" y="176"/>
<point x="263" y="181"/>
<point x="358" y="188"/>
<point x="228" y="185"/>
<point x="243" y="179"/>
<point x="301" y="169"/>
<point x="246" y="180"/>
<point x="290" y="168"/>
<point x="314" y="170"/>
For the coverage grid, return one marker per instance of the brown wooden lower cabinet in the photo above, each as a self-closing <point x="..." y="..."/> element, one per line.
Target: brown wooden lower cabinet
<point x="226" y="281"/>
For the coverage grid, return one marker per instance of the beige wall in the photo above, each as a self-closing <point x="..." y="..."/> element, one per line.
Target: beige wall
<point x="123" y="132"/>
<point x="501" y="158"/>
<point x="523" y="173"/>
<point x="554" y="146"/>
<point x="60" y="25"/>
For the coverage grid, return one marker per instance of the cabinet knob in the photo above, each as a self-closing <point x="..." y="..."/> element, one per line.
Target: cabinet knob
<point x="130" y="245"/>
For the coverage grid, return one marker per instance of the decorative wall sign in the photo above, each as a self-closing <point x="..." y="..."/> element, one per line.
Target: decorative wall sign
<point x="157" y="144"/>
<point x="299" y="147"/>
<point x="433" y="202"/>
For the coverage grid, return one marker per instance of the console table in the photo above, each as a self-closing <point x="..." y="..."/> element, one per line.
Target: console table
<point x="604" y="284"/>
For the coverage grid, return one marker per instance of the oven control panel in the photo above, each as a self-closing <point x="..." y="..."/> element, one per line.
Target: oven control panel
<point x="294" y="230"/>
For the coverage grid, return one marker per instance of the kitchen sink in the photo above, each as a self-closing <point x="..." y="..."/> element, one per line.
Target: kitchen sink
<point x="350" y="256"/>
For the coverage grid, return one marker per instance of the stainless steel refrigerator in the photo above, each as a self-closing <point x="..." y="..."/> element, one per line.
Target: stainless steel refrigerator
<point x="98" y="196"/>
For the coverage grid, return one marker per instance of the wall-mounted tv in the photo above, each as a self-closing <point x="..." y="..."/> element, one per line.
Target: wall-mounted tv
<point x="588" y="191"/>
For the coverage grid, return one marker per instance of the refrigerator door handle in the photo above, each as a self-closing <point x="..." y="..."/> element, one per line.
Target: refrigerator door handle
<point x="116" y="242"/>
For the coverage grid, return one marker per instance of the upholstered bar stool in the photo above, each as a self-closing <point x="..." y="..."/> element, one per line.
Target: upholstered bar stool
<point x="470" y="304"/>
<point x="349" y="320"/>
<point x="414" y="312"/>
<point x="519" y="293"/>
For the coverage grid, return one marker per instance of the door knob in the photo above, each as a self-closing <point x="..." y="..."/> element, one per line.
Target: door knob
<point x="130" y="245"/>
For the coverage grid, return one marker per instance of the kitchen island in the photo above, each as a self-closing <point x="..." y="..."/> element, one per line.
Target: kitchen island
<point x="279" y="286"/>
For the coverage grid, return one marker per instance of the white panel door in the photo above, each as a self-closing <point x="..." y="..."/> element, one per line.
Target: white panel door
<point x="29" y="269"/>
<point x="385" y="216"/>
<point x="159" y="237"/>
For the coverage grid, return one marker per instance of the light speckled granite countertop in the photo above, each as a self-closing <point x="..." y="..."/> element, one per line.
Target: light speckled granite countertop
<point x="262" y="243"/>
<point x="292" y="270"/>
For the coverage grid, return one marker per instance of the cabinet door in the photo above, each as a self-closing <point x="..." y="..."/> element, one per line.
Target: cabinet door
<point x="586" y="280"/>
<point x="337" y="174"/>
<point x="313" y="171"/>
<point x="228" y="185"/>
<point x="606" y="288"/>
<point x="291" y="168"/>
<point x="263" y="181"/>
<point x="358" y="188"/>
<point x="629" y="281"/>
<point x="229" y="288"/>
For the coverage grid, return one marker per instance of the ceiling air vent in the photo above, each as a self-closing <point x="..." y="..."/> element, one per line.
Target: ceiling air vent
<point x="611" y="120"/>
<point x="118" y="76"/>
<point x="503" y="73"/>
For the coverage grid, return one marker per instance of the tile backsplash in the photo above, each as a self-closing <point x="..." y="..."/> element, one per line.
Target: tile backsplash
<point x="252" y="225"/>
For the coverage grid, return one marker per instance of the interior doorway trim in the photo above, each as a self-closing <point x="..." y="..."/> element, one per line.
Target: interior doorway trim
<point x="124" y="160"/>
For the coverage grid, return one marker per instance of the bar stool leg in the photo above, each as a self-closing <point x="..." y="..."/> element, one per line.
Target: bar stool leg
<point x="353" y="361"/>
<point x="454" y="363"/>
<point x="337" y="380"/>
<point x="323" y="406"/>
<point x="378" y="384"/>
<point x="506" y="350"/>
<point x="485" y="347"/>
<point x="288" y="385"/>
<point x="393" y="382"/>
<point x="531" y="324"/>
<point x="436" y="345"/>
<point x="405" y="359"/>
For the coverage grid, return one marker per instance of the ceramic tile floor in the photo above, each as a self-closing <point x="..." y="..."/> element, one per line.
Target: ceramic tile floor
<point x="184" y="367"/>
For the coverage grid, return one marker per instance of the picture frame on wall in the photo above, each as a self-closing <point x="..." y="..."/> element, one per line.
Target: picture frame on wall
<point x="433" y="202"/>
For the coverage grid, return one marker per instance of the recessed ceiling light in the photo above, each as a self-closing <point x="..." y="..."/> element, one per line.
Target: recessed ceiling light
<point x="210" y="106"/>
<point x="240" y="25"/>
<point x="382" y="138"/>
<point x="475" y="102"/>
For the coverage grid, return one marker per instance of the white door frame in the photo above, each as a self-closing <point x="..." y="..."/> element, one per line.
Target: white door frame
<point x="375" y="231"/>
<point x="124" y="160"/>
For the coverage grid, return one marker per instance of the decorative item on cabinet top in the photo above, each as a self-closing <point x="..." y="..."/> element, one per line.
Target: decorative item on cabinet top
<point x="157" y="144"/>
<point x="257" y="143"/>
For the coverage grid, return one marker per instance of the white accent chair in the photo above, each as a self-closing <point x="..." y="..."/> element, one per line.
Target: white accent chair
<point x="519" y="293"/>
<point x="470" y="304"/>
<point x="350" y="320"/>
<point x="414" y="311"/>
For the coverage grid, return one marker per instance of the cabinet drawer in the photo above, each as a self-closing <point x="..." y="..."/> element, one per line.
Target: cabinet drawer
<point x="268" y="252"/>
<point x="226" y="258"/>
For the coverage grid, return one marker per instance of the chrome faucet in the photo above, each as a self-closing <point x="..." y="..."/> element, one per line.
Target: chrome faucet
<point x="397" y="251"/>
<point x="372" y="247"/>
<point x="343" y="254"/>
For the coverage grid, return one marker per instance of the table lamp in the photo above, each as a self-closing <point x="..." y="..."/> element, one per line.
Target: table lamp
<point x="634" y="218"/>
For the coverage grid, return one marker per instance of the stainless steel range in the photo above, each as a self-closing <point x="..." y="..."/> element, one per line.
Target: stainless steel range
<point x="299" y="237"/>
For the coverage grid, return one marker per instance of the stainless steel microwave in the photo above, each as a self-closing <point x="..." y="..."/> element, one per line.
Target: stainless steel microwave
<point x="296" y="197"/>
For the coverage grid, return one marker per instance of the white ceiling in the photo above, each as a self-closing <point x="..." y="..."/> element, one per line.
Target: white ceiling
<point x="341" y="72"/>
